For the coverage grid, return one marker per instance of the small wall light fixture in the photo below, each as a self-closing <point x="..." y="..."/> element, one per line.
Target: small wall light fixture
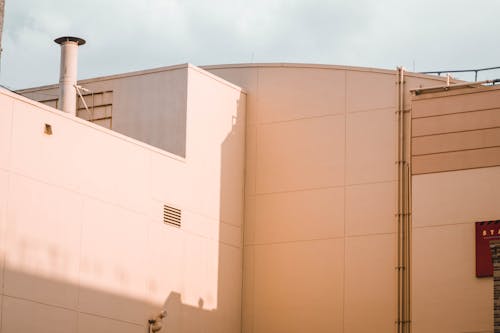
<point x="155" y="324"/>
<point x="48" y="129"/>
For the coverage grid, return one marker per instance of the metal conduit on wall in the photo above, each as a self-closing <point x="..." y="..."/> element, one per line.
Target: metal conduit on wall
<point x="403" y="211"/>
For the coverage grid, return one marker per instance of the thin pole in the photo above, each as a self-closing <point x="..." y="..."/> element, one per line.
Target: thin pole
<point x="2" y="9"/>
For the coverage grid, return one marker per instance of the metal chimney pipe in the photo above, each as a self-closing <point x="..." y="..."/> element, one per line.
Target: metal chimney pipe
<point x="68" y="72"/>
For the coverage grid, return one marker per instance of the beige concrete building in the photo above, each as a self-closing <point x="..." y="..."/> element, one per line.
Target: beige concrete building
<point x="262" y="198"/>
<point x="456" y="178"/>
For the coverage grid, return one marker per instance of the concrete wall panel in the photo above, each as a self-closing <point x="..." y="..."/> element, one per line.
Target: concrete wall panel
<point x="250" y="219"/>
<point x="230" y="235"/>
<point x="370" y="296"/>
<point x="227" y="316"/>
<point x="201" y="225"/>
<point x="292" y="156"/>
<point x="163" y="182"/>
<point x="118" y="182"/>
<point x="216" y="134"/>
<point x="289" y="299"/>
<point x="6" y="106"/>
<point x="200" y="265"/>
<point x="447" y="296"/>
<point x="370" y="149"/>
<point x="94" y="324"/>
<point x="113" y="274"/>
<point x="166" y="246"/>
<point x="41" y="264"/>
<point x="370" y="209"/>
<point x="147" y="107"/>
<point x="70" y="157"/>
<point x="248" y="295"/>
<point x="38" y="155"/>
<point x="302" y="215"/>
<point x="26" y="316"/>
<point x="250" y="160"/>
<point x="456" y="197"/>
<point x="370" y="91"/>
<point x="296" y="93"/>
<point x="4" y="186"/>
<point x="247" y="78"/>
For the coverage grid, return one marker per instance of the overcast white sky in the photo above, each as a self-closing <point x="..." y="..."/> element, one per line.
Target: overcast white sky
<point x="128" y="35"/>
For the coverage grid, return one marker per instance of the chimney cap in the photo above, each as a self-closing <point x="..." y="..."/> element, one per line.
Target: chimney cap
<point x="61" y="40"/>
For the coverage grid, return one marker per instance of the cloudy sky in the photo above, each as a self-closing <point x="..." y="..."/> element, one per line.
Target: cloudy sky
<point x="128" y="35"/>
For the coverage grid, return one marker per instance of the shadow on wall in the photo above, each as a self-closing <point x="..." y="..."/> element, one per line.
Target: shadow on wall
<point x="30" y="310"/>
<point x="39" y="296"/>
<point x="226" y="317"/>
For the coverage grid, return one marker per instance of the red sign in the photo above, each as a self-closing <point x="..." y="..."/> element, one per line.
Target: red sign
<point x="485" y="232"/>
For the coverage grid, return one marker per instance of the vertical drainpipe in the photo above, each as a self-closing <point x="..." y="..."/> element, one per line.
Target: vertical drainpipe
<point x="403" y="211"/>
<point x="407" y="208"/>
<point x="68" y="73"/>
<point x="407" y="203"/>
<point x="399" y="266"/>
<point x="2" y="10"/>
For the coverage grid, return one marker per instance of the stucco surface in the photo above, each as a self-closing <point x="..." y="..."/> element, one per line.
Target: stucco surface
<point x="319" y="171"/>
<point x="447" y="296"/>
<point x="81" y="219"/>
<point x="320" y="191"/>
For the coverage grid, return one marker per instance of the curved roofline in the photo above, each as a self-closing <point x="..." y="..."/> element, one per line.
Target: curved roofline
<point x="325" y="66"/>
<point x="241" y="65"/>
<point x="298" y="65"/>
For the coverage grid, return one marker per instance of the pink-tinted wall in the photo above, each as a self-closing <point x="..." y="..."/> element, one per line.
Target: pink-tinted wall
<point x="83" y="244"/>
<point x="320" y="196"/>
<point x="149" y="106"/>
<point x="455" y="184"/>
<point x="321" y="180"/>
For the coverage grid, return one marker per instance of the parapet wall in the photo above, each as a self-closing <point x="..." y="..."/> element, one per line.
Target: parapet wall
<point x="83" y="242"/>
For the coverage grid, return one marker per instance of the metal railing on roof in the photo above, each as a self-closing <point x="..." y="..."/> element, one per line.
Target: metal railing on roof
<point x="475" y="71"/>
<point x="447" y="87"/>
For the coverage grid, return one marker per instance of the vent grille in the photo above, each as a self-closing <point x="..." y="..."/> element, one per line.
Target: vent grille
<point x="100" y="107"/>
<point x="172" y="216"/>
